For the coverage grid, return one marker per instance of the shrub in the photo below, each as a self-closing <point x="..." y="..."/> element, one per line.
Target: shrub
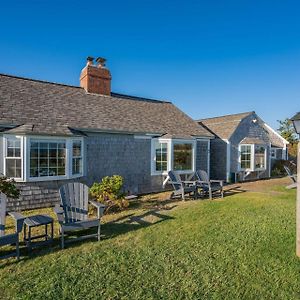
<point x="8" y="187"/>
<point x="278" y="167"/>
<point x="109" y="192"/>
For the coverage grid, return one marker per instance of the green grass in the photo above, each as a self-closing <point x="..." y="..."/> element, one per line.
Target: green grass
<point x="242" y="247"/>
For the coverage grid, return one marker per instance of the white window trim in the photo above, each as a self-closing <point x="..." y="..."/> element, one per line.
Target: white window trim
<point x="170" y="147"/>
<point x="25" y="157"/>
<point x="252" y="159"/>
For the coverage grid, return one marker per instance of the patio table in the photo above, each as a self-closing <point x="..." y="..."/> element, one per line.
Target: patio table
<point x="36" y="221"/>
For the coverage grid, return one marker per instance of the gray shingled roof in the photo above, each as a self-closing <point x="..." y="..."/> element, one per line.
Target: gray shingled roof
<point x="39" y="107"/>
<point x="224" y="126"/>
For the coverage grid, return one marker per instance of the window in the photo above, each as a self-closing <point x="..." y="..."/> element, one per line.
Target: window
<point x="47" y="158"/>
<point x="259" y="157"/>
<point x="13" y="160"/>
<point x="245" y="156"/>
<point x="172" y="154"/>
<point x="183" y="154"/>
<point x="76" y="158"/>
<point x="273" y="153"/>
<point x="252" y="157"/>
<point x="161" y="156"/>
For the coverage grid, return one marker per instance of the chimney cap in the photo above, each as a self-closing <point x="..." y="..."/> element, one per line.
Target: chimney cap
<point x="90" y="58"/>
<point x="101" y="61"/>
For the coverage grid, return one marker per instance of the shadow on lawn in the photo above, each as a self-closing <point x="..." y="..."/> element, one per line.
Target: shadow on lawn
<point x="109" y="230"/>
<point x="134" y="222"/>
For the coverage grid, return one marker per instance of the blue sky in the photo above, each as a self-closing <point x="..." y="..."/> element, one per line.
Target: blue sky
<point x="208" y="57"/>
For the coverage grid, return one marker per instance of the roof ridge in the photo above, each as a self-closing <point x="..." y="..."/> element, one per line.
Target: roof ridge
<point x="228" y="115"/>
<point x="113" y="94"/>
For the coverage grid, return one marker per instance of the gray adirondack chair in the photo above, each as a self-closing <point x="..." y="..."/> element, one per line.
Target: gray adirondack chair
<point x="181" y="188"/>
<point x="72" y="214"/>
<point x="292" y="176"/>
<point x="209" y="186"/>
<point x="12" y="238"/>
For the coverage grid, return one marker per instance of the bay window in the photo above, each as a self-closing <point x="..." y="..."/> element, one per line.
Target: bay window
<point x="171" y="154"/>
<point x="46" y="158"/>
<point x="252" y="157"/>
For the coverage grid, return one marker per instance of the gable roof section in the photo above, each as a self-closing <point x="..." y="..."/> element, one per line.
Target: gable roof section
<point x="39" y="107"/>
<point x="224" y="126"/>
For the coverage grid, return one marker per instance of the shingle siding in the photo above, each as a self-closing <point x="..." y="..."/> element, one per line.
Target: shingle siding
<point x="202" y="155"/>
<point x="218" y="159"/>
<point x="106" y="155"/>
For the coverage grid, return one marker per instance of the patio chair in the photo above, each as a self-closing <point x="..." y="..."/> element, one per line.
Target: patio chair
<point x="181" y="188"/>
<point x="292" y="176"/>
<point x="12" y="238"/>
<point x="209" y="186"/>
<point x="72" y="214"/>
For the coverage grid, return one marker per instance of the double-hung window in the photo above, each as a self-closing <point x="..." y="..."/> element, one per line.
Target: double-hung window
<point x="246" y="157"/>
<point x="13" y="157"/>
<point x="77" y="157"/>
<point x="161" y="156"/>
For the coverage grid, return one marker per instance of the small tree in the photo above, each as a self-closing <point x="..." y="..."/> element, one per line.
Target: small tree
<point x="109" y="192"/>
<point x="8" y="187"/>
<point x="287" y="131"/>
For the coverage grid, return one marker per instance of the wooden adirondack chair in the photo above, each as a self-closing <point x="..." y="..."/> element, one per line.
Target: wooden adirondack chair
<point x="72" y="214"/>
<point x="181" y="188"/>
<point x="209" y="186"/>
<point x="13" y="238"/>
<point x="292" y="176"/>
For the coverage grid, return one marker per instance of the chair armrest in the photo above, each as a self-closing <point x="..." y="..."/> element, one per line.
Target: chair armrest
<point x="19" y="220"/>
<point x="100" y="208"/>
<point x="218" y="181"/>
<point x="59" y="213"/>
<point x="192" y="182"/>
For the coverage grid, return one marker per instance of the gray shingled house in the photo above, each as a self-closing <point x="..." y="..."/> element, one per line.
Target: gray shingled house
<point x="53" y="133"/>
<point x="245" y="147"/>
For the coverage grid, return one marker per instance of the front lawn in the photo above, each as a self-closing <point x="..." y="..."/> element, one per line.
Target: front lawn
<point x="241" y="247"/>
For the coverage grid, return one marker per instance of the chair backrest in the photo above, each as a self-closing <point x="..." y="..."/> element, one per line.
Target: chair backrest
<point x="288" y="171"/>
<point x="3" y="200"/>
<point x="74" y="201"/>
<point x="175" y="180"/>
<point x="202" y="176"/>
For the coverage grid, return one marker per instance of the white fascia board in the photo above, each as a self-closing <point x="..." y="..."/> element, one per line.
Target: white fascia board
<point x="276" y="133"/>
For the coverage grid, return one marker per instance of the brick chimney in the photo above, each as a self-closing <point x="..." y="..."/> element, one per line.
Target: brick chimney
<point x="96" y="78"/>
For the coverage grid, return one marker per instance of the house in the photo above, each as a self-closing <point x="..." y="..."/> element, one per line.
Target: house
<point x="54" y="133"/>
<point x="245" y="147"/>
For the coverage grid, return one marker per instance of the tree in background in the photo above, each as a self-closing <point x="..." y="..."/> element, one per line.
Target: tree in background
<point x="287" y="131"/>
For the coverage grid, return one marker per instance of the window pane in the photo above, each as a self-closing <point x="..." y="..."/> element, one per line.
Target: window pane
<point x="77" y="148"/>
<point x="77" y="166"/>
<point x="161" y="156"/>
<point x="13" y="147"/>
<point x="13" y="167"/>
<point x="183" y="156"/>
<point x="47" y="159"/>
<point x="259" y="158"/>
